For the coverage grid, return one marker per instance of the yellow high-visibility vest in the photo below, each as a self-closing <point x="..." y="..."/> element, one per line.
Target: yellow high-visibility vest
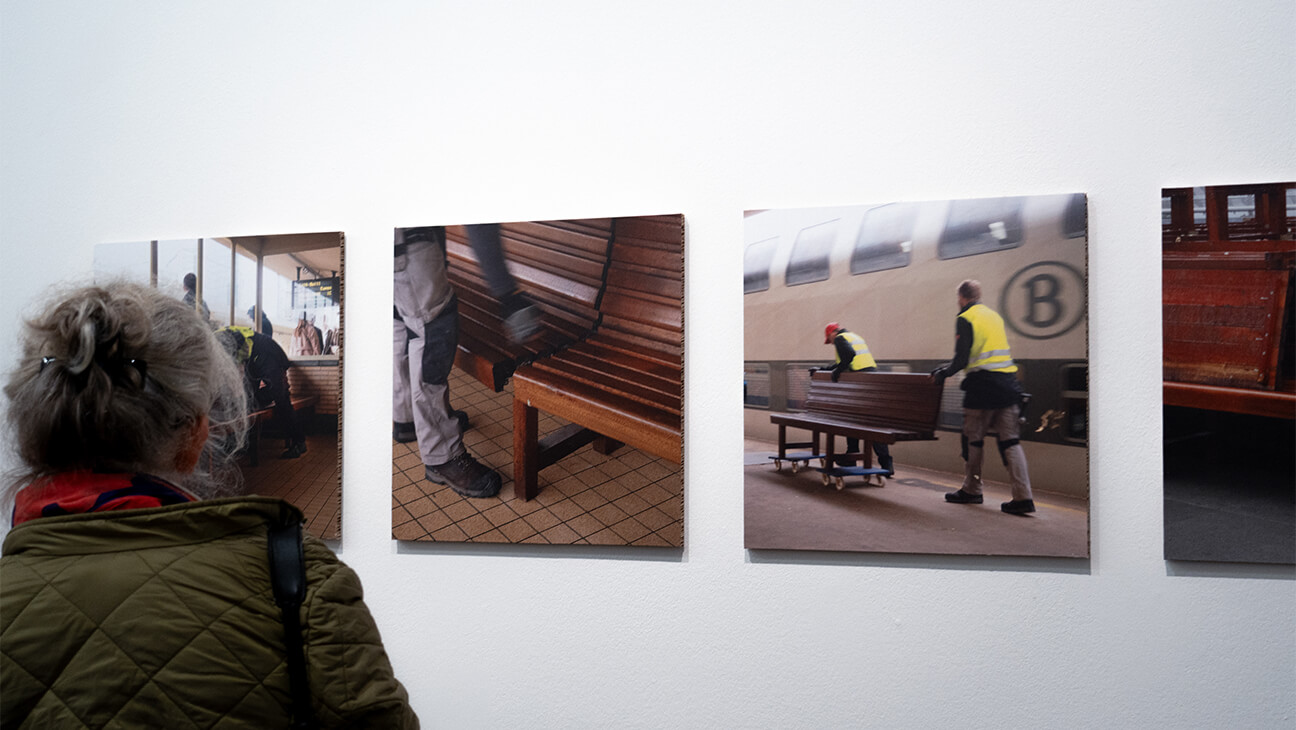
<point x="863" y="358"/>
<point x="245" y="350"/>
<point x="989" y="341"/>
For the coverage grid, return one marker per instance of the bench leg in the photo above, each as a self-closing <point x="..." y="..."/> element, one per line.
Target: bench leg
<point x="525" y="454"/>
<point x="782" y="452"/>
<point x="605" y="445"/>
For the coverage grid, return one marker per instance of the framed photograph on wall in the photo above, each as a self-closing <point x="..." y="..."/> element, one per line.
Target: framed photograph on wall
<point x="278" y="300"/>
<point x="1229" y="354"/>
<point x="538" y="382"/>
<point x="915" y="377"/>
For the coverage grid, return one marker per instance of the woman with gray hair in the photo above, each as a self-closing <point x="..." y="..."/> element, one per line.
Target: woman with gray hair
<point x="136" y="593"/>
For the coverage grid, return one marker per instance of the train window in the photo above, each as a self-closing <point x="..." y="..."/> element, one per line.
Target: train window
<point x="809" y="260"/>
<point x="1241" y="208"/>
<point x="798" y="383"/>
<point x="981" y="226"/>
<point x="885" y="239"/>
<point x="1075" y="220"/>
<point x="756" y="265"/>
<point x="1075" y="397"/>
<point x="1199" y="206"/>
<point x="756" y="384"/>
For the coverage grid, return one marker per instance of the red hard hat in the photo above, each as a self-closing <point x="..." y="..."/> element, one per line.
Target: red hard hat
<point x="828" y="332"/>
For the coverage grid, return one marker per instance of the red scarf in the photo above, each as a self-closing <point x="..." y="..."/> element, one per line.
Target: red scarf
<point x="75" y="492"/>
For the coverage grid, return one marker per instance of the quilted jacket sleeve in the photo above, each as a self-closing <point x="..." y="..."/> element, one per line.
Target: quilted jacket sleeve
<point x="351" y="679"/>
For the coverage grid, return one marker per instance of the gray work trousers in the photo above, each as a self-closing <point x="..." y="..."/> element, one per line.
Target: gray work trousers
<point x="424" y="335"/>
<point x="1003" y="421"/>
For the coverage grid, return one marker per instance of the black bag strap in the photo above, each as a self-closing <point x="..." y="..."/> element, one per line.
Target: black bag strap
<point x="288" y="579"/>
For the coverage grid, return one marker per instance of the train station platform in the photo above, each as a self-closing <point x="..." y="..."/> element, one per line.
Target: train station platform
<point x="786" y="511"/>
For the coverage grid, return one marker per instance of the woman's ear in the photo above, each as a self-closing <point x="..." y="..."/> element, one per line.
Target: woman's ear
<point x="192" y="446"/>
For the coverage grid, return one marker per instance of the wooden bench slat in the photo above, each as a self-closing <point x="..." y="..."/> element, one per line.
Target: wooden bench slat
<point x="633" y="337"/>
<point x="593" y="353"/>
<point x="636" y="309"/>
<point x="665" y="230"/>
<point x="619" y="383"/>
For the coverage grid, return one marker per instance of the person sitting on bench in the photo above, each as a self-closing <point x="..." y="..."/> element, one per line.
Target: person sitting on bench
<point x="853" y="356"/>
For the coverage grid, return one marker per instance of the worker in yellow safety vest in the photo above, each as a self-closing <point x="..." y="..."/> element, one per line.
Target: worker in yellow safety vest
<point x="853" y="356"/>
<point x="992" y="399"/>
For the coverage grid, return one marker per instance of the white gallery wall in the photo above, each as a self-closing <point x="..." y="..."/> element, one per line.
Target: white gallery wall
<point x="126" y="121"/>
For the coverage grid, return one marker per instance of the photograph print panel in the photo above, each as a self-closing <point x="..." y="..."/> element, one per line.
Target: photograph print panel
<point x="292" y="285"/>
<point x="1229" y="354"/>
<point x="867" y="426"/>
<point x="537" y="382"/>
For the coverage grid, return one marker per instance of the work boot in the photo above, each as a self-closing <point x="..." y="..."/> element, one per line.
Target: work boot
<point x="462" y="418"/>
<point x="521" y="317"/>
<point x="962" y="497"/>
<point x="466" y="476"/>
<point x="293" y="451"/>
<point x="403" y="432"/>
<point x="889" y="465"/>
<point x="1018" y="506"/>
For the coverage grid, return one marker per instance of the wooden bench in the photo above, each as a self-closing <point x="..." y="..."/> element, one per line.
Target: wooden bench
<point x="623" y="383"/>
<point x="256" y="418"/>
<point x="1227" y="342"/>
<point x="560" y="265"/>
<point x="873" y="407"/>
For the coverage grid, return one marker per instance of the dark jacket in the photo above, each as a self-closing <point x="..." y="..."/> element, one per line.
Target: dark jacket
<point x="163" y="617"/>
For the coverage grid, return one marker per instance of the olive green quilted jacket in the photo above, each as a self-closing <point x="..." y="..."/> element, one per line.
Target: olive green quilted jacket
<point x="163" y="618"/>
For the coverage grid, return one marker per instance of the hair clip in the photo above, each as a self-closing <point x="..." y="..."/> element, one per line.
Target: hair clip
<point x="141" y="366"/>
<point x="46" y="361"/>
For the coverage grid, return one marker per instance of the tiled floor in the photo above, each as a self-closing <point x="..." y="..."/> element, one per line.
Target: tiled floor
<point x="310" y="482"/>
<point x="626" y="498"/>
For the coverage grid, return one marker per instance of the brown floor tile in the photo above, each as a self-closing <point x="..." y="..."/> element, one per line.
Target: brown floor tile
<point x="542" y="520"/>
<point x="654" y="519"/>
<point x="400" y="516"/>
<point x="585" y="525"/>
<point x="407" y="462"/>
<point x="654" y="540"/>
<point x="450" y="534"/>
<point x="567" y="510"/>
<point x="407" y="494"/>
<point x="560" y="535"/>
<point x="631" y="504"/>
<point x="606" y="537"/>
<point x="517" y="531"/>
<point x="500" y="514"/>
<point x="609" y="514"/>
<point x="589" y="500"/>
<point x="630" y="529"/>
<point x="460" y="510"/>
<point x="409" y="531"/>
<point x="434" y="521"/>
<point x="475" y="525"/>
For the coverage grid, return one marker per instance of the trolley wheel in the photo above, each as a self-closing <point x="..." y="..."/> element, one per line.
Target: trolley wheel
<point x="796" y="467"/>
<point x="827" y="480"/>
<point x="876" y="480"/>
<point x="778" y="465"/>
<point x="841" y="484"/>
